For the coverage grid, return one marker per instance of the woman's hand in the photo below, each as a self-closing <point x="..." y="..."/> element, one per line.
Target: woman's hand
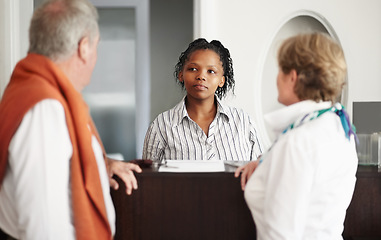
<point x="125" y="172"/>
<point x="247" y="170"/>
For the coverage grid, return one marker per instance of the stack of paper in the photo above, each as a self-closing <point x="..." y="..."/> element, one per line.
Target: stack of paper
<point x="193" y="166"/>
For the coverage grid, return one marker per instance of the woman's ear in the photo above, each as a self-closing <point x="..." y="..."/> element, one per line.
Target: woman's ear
<point x="222" y="82"/>
<point x="293" y="76"/>
<point x="180" y="77"/>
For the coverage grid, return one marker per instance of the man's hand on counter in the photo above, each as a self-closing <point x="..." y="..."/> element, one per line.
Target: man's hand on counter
<point x="125" y="171"/>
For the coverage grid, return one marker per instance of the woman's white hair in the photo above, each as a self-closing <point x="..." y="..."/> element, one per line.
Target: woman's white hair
<point x="57" y="26"/>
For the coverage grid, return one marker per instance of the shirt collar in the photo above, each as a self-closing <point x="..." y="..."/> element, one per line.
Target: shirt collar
<point x="222" y="109"/>
<point x="280" y="119"/>
<point x="181" y="111"/>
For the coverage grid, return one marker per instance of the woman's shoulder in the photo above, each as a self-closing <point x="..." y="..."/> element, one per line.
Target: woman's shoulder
<point x="319" y="132"/>
<point x="236" y="113"/>
<point x="170" y="116"/>
<point x="231" y="109"/>
<point x="164" y="116"/>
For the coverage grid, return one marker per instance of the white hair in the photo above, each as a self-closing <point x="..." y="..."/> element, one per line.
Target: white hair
<point x="57" y="26"/>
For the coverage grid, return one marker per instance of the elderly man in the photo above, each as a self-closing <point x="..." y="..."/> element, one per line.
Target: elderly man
<point x="54" y="176"/>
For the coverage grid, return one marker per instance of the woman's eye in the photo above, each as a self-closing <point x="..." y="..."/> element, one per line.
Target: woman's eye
<point x="192" y="69"/>
<point x="212" y="71"/>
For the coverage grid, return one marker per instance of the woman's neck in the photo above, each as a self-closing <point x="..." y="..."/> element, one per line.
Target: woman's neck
<point x="202" y="112"/>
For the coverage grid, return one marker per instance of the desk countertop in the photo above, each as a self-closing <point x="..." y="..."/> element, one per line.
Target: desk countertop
<point x="212" y="206"/>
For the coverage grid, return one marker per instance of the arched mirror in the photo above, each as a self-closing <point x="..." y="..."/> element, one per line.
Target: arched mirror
<point x="298" y="23"/>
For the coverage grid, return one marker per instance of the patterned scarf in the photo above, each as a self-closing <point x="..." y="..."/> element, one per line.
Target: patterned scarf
<point x="337" y="108"/>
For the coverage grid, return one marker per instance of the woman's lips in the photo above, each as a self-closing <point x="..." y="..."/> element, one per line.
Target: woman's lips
<point x="200" y="87"/>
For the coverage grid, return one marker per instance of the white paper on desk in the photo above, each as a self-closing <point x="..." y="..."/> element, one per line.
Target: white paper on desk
<point x="193" y="166"/>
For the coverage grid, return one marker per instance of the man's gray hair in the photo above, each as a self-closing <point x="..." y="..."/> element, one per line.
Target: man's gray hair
<point x="57" y="26"/>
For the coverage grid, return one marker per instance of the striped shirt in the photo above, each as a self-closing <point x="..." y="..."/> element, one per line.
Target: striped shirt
<point x="173" y="135"/>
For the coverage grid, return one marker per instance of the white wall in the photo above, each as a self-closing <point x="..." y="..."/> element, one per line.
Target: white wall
<point x="247" y="28"/>
<point x="14" y="24"/>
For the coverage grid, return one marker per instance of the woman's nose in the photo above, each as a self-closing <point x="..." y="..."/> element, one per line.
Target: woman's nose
<point x="201" y="76"/>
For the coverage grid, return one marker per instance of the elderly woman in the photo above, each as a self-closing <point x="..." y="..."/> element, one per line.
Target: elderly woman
<point x="303" y="184"/>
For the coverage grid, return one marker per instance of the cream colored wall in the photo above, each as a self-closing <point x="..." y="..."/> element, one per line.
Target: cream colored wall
<point x="247" y="28"/>
<point x="14" y="23"/>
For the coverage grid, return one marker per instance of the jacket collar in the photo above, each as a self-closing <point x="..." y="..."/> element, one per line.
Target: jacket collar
<point x="280" y="119"/>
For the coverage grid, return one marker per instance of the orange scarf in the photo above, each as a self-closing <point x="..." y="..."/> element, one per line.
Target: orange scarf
<point x="36" y="78"/>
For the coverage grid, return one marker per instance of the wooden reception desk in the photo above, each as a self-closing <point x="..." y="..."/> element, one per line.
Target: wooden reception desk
<point x="212" y="206"/>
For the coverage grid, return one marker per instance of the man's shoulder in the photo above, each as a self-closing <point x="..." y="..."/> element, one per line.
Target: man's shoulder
<point x="31" y="90"/>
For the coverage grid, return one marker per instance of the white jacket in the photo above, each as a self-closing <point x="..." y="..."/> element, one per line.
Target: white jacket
<point x="303" y="186"/>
